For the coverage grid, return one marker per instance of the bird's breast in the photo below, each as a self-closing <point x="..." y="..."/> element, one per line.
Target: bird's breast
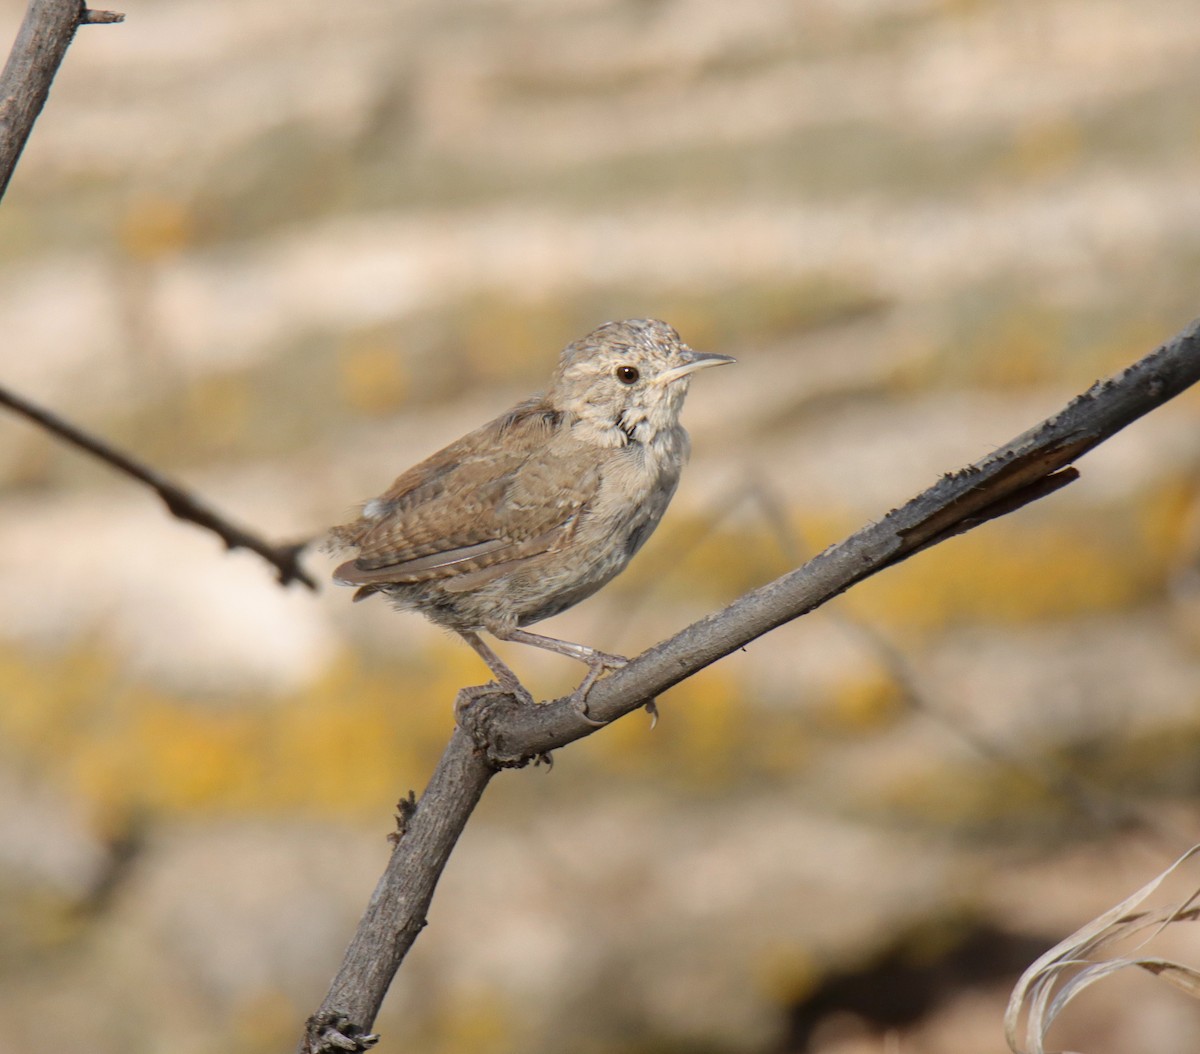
<point x="634" y="485"/>
<point x="637" y="483"/>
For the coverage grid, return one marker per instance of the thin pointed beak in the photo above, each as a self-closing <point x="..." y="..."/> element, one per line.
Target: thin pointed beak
<point x="692" y="361"/>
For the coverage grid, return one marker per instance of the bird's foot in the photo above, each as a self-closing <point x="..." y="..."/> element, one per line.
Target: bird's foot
<point x="332" y="1032"/>
<point x="605" y="660"/>
<point x="477" y="712"/>
<point x="468" y="697"/>
<point x="599" y="663"/>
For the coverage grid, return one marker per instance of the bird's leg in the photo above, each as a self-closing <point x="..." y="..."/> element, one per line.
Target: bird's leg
<point x="504" y="676"/>
<point x="581" y="652"/>
<point x="597" y="661"/>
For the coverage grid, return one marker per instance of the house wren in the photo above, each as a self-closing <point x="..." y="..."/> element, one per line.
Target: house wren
<point x="538" y="509"/>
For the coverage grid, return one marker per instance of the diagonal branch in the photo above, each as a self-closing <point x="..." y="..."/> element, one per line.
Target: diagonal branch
<point x="179" y="501"/>
<point x="496" y="732"/>
<point x="42" y="42"/>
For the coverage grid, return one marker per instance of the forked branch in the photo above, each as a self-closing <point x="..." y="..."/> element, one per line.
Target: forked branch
<point x="496" y="732"/>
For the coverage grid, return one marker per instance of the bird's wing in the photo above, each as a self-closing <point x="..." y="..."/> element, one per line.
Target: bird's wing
<point x="502" y="494"/>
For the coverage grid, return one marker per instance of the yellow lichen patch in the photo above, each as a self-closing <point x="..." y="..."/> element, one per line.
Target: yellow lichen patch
<point x="729" y="563"/>
<point x="1095" y="781"/>
<point x="448" y="665"/>
<point x="164" y="755"/>
<point x="755" y="312"/>
<point x="1001" y="341"/>
<point x="786" y="973"/>
<point x="1114" y="342"/>
<point x="868" y="702"/>
<point x="503" y="339"/>
<point x="1189" y="399"/>
<point x="951" y="795"/>
<point x="1168" y="520"/>
<point x="36" y="918"/>
<point x="98" y="776"/>
<point x="1046" y="148"/>
<point x="1006" y="572"/>
<point x="218" y="411"/>
<point x="352" y="742"/>
<point x="39" y="709"/>
<point x="154" y="227"/>
<point x="627" y="747"/>
<point x="1161" y="760"/>
<point x="705" y="731"/>
<point x="478" y="1021"/>
<point x="781" y="744"/>
<point x="698" y="558"/>
<point x="1009" y="574"/>
<point x="1020" y="350"/>
<point x="265" y="1020"/>
<point x="710" y="735"/>
<point x="373" y="377"/>
<point x="701" y="738"/>
<point x="961" y="8"/>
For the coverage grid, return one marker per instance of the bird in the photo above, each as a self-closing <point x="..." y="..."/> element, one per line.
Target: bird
<point x="538" y="509"/>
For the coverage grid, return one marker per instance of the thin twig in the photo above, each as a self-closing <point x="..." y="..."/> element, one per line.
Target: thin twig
<point x="497" y="732"/>
<point x="179" y="501"/>
<point x="100" y="18"/>
<point x="42" y="41"/>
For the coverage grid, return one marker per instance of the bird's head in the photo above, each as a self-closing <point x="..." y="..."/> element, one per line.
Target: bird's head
<point x="626" y="381"/>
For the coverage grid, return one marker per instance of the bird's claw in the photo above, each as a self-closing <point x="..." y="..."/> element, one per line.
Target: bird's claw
<point x="651" y="707"/>
<point x="599" y="663"/>
<point x="579" y="702"/>
<point x="605" y="660"/>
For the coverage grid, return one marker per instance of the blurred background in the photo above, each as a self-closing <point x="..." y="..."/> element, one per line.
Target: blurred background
<point x="284" y="250"/>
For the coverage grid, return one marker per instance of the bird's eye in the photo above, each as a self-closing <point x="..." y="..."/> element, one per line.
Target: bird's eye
<point x="627" y="374"/>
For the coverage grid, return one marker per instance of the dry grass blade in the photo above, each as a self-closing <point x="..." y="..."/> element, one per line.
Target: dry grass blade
<point x="1068" y="968"/>
<point x="1185" y="978"/>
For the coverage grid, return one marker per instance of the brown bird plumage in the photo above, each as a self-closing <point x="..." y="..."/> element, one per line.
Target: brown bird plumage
<point x="538" y="509"/>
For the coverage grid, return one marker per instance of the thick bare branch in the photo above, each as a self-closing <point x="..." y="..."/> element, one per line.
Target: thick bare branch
<point x="179" y="501"/>
<point x="396" y="912"/>
<point x="497" y="732"/>
<point x="42" y="41"/>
